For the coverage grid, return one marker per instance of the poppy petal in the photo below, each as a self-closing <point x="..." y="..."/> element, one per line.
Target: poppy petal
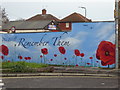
<point x="77" y="52"/>
<point x="4" y="50"/>
<point x="106" y="53"/>
<point x="44" y="51"/>
<point x="62" y="50"/>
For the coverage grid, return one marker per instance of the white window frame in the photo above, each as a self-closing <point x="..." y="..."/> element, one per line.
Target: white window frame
<point x="67" y="25"/>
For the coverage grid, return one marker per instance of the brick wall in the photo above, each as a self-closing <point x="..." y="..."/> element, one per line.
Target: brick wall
<point x="64" y="28"/>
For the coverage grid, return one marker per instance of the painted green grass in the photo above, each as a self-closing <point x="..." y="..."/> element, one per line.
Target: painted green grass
<point x="26" y="64"/>
<point x="21" y="66"/>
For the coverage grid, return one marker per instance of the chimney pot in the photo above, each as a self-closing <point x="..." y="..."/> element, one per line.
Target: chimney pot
<point x="43" y="11"/>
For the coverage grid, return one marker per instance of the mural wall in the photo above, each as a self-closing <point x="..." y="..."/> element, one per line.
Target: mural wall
<point x="88" y="44"/>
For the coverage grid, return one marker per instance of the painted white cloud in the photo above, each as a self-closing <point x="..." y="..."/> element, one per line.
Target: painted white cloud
<point x="79" y="35"/>
<point x="104" y="31"/>
<point x="74" y="43"/>
<point x="112" y="38"/>
<point x="13" y="48"/>
<point x="77" y="40"/>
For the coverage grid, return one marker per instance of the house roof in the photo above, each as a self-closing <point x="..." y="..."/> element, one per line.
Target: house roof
<point x="26" y="25"/>
<point x="75" y="17"/>
<point x="43" y="17"/>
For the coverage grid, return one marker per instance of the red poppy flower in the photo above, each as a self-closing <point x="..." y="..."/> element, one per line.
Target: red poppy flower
<point x="28" y="58"/>
<point x="106" y="53"/>
<point x="82" y="54"/>
<point x="44" y="51"/>
<point x="41" y="56"/>
<point x="51" y="59"/>
<point x="91" y="57"/>
<point x="88" y="63"/>
<point x="55" y="55"/>
<point x="2" y="57"/>
<point x="96" y="61"/>
<point x="4" y="50"/>
<point x="8" y="60"/>
<point x="20" y="57"/>
<point x="62" y="50"/>
<point x="76" y="64"/>
<point x="65" y="58"/>
<point x="77" y="52"/>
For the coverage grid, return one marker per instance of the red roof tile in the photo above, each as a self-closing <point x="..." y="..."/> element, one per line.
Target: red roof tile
<point x="42" y="17"/>
<point x="75" y="17"/>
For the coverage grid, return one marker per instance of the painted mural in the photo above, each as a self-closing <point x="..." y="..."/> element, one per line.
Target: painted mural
<point x="88" y="44"/>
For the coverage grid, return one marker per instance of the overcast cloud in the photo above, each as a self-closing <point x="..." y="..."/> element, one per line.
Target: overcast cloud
<point x="97" y="10"/>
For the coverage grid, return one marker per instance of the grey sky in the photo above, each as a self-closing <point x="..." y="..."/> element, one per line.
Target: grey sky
<point x="97" y="10"/>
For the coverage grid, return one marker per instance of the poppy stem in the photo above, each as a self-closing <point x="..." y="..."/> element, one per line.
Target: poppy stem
<point x="44" y="59"/>
<point x="85" y="63"/>
<point x="85" y="68"/>
<point x="99" y="65"/>
<point x="61" y="59"/>
<point x="68" y="62"/>
<point x="81" y="62"/>
<point x="76" y="60"/>
<point x="41" y="60"/>
<point x="57" y="61"/>
<point x="91" y="62"/>
<point x="108" y="66"/>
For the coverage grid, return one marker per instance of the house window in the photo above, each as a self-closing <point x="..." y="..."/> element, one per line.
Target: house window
<point x="67" y="25"/>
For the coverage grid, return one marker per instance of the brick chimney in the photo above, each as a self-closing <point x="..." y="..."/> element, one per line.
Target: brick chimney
<point x="44" y="11"/>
